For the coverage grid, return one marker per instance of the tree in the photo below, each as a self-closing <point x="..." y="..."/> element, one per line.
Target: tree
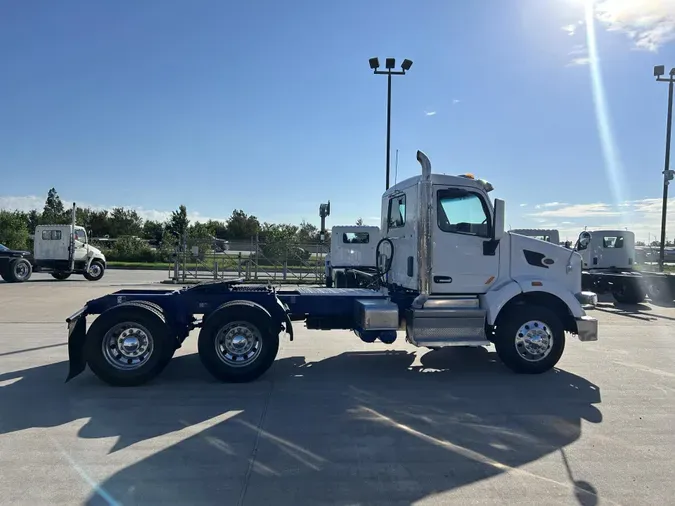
<point x="53" y="211"/>
<point x="33" y="220"/>
<point x="153" y="231"/>
<point x="241" y="226"/>
<point x="307" y="232"/>
<point x="124" y="222"/>
<point x="99" y="224"/>
<point x="219" y="228"/>
<point x="359" y="222"/>
<point x="13" y="230"/>
<point x="177" y="225"/>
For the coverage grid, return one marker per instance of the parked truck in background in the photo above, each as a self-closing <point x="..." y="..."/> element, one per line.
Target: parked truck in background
<point x="548" y="235"/>
<point x="351" y="260"/>
<point x="609" y="266"/>
<point x="61" y="250"/>
<point x="446" y="273"/>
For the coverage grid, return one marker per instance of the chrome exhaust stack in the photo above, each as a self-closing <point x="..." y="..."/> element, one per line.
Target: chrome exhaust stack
<point x="425" y="199"/>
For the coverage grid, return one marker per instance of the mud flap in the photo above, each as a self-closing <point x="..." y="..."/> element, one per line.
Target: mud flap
<point x="77" y="333"/>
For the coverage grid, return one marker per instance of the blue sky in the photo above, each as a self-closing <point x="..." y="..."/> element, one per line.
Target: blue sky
<point x="271" y="107"/>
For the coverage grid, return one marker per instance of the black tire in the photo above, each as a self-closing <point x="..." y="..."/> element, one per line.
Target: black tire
<point x="329" y="282"/>
<point x="352" y="282"/>
<point x="659" y="291"/>
<point x="96" y="271"/>
<point x="629" y="292"/>
<point x="340" y="279"/>
<point x="259" y="328"/>
<point x="18" y="271"/>
<point x="152" y="321"/>
<point x="511" y="348"/>
<point x="60" y="275"/>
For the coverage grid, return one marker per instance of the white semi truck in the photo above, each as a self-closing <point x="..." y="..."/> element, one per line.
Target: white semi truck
<point x="351" y="261"/>
<point x="609" y="266"/>
<point x="447" y="275"/>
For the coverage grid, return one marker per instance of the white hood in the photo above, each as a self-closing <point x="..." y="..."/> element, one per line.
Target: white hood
<point x="532" y="258"/>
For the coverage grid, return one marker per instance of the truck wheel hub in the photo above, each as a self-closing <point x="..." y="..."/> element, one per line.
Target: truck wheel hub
<point x="238" y="344"/>
<point x="127" y="346"/>
<point x="534" y="341"/>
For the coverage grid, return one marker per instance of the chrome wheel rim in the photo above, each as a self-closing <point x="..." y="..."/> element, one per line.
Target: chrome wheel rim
<point x="94" y="270"/>
<point x="21" y="270"/>
<point x="127" y="346"/>
<point x="238" y="344"/>
<point x="534" y="341"/>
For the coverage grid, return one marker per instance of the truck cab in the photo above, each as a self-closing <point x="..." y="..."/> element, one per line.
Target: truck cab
<point x="351" y="260"/>
<point x="63" y="250"/>
<point x="608" y="249"/>
<point x="445" y="242"/>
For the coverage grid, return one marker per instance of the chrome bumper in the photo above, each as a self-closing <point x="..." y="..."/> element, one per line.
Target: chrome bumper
<point x="587" y="298"/>
<point x="587" y="328"/>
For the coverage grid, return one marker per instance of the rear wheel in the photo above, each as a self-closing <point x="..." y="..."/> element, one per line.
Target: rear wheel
<point x="340" y="279"/>
<point x="659" y="291"/>
<point x="60" y="275"/>
<point x="529" y="339"/>
<point x="238" y="343"/>
<point x="629" y="292"/>
<point x="95" y="271"/>
<point x="129" y="345"/>
<point x="18" y="271"/>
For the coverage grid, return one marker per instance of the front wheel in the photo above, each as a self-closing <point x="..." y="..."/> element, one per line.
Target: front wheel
<point x="659" y="291"/>
<point x="95" y="271"/>
<point x="238" y="344"/>
<point x="529" y="339"/>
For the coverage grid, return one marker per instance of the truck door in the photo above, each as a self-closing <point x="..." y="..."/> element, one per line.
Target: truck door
<point x="461" y="264"/>
<point x="80" y="244"/>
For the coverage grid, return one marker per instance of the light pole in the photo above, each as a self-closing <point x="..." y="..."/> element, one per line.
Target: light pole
<point x="390" y="64"/>
<point x="659" y="71"/>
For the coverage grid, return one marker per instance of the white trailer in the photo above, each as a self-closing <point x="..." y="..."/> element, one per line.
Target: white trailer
<point x="351" y="261"/>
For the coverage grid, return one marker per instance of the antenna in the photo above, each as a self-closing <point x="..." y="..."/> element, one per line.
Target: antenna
<point x="396" y="168"/>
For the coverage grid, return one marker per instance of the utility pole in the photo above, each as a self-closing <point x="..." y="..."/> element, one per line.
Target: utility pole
<point x="659" y="71"/>
<point x="390" y="64"/>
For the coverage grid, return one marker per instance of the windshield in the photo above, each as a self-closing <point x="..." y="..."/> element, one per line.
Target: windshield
<point x="3" y="247"/>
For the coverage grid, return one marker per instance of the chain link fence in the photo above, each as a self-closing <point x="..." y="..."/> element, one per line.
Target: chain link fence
<point x="293" y="262"/>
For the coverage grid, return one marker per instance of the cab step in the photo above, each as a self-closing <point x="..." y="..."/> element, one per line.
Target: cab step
<point x="447" y="321"/>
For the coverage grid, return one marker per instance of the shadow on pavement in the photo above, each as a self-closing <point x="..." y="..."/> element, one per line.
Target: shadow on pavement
<point x="361" y="427"/>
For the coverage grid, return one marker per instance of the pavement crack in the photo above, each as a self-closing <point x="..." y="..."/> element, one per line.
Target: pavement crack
<point x="254" y="453"/>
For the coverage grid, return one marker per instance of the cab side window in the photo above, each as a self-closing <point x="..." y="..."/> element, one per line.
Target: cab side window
<point x="396" y="213"/>
<point x="51" y="235"/>
<point x="462" y="212"/>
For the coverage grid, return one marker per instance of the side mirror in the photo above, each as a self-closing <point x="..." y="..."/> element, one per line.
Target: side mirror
<point x="584" y="240"/>
<point x="498" y="228"/>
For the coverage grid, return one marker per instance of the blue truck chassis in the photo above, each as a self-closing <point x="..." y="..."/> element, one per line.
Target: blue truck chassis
<point x="137" y="331"/>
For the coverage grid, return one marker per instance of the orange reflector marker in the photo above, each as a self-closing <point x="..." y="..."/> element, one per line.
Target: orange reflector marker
<point x="490" y="280"/>
<point x="537" y="283"/>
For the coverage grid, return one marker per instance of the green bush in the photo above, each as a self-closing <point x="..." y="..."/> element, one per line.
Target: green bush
<point x="129" y="249"/>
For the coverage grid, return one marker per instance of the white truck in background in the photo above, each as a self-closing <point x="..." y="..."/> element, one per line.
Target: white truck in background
<point x="609" y="266"/>
<point x="62" y="250"/>
<point x="548" y="235"/>
<point x="351" y="261"/>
